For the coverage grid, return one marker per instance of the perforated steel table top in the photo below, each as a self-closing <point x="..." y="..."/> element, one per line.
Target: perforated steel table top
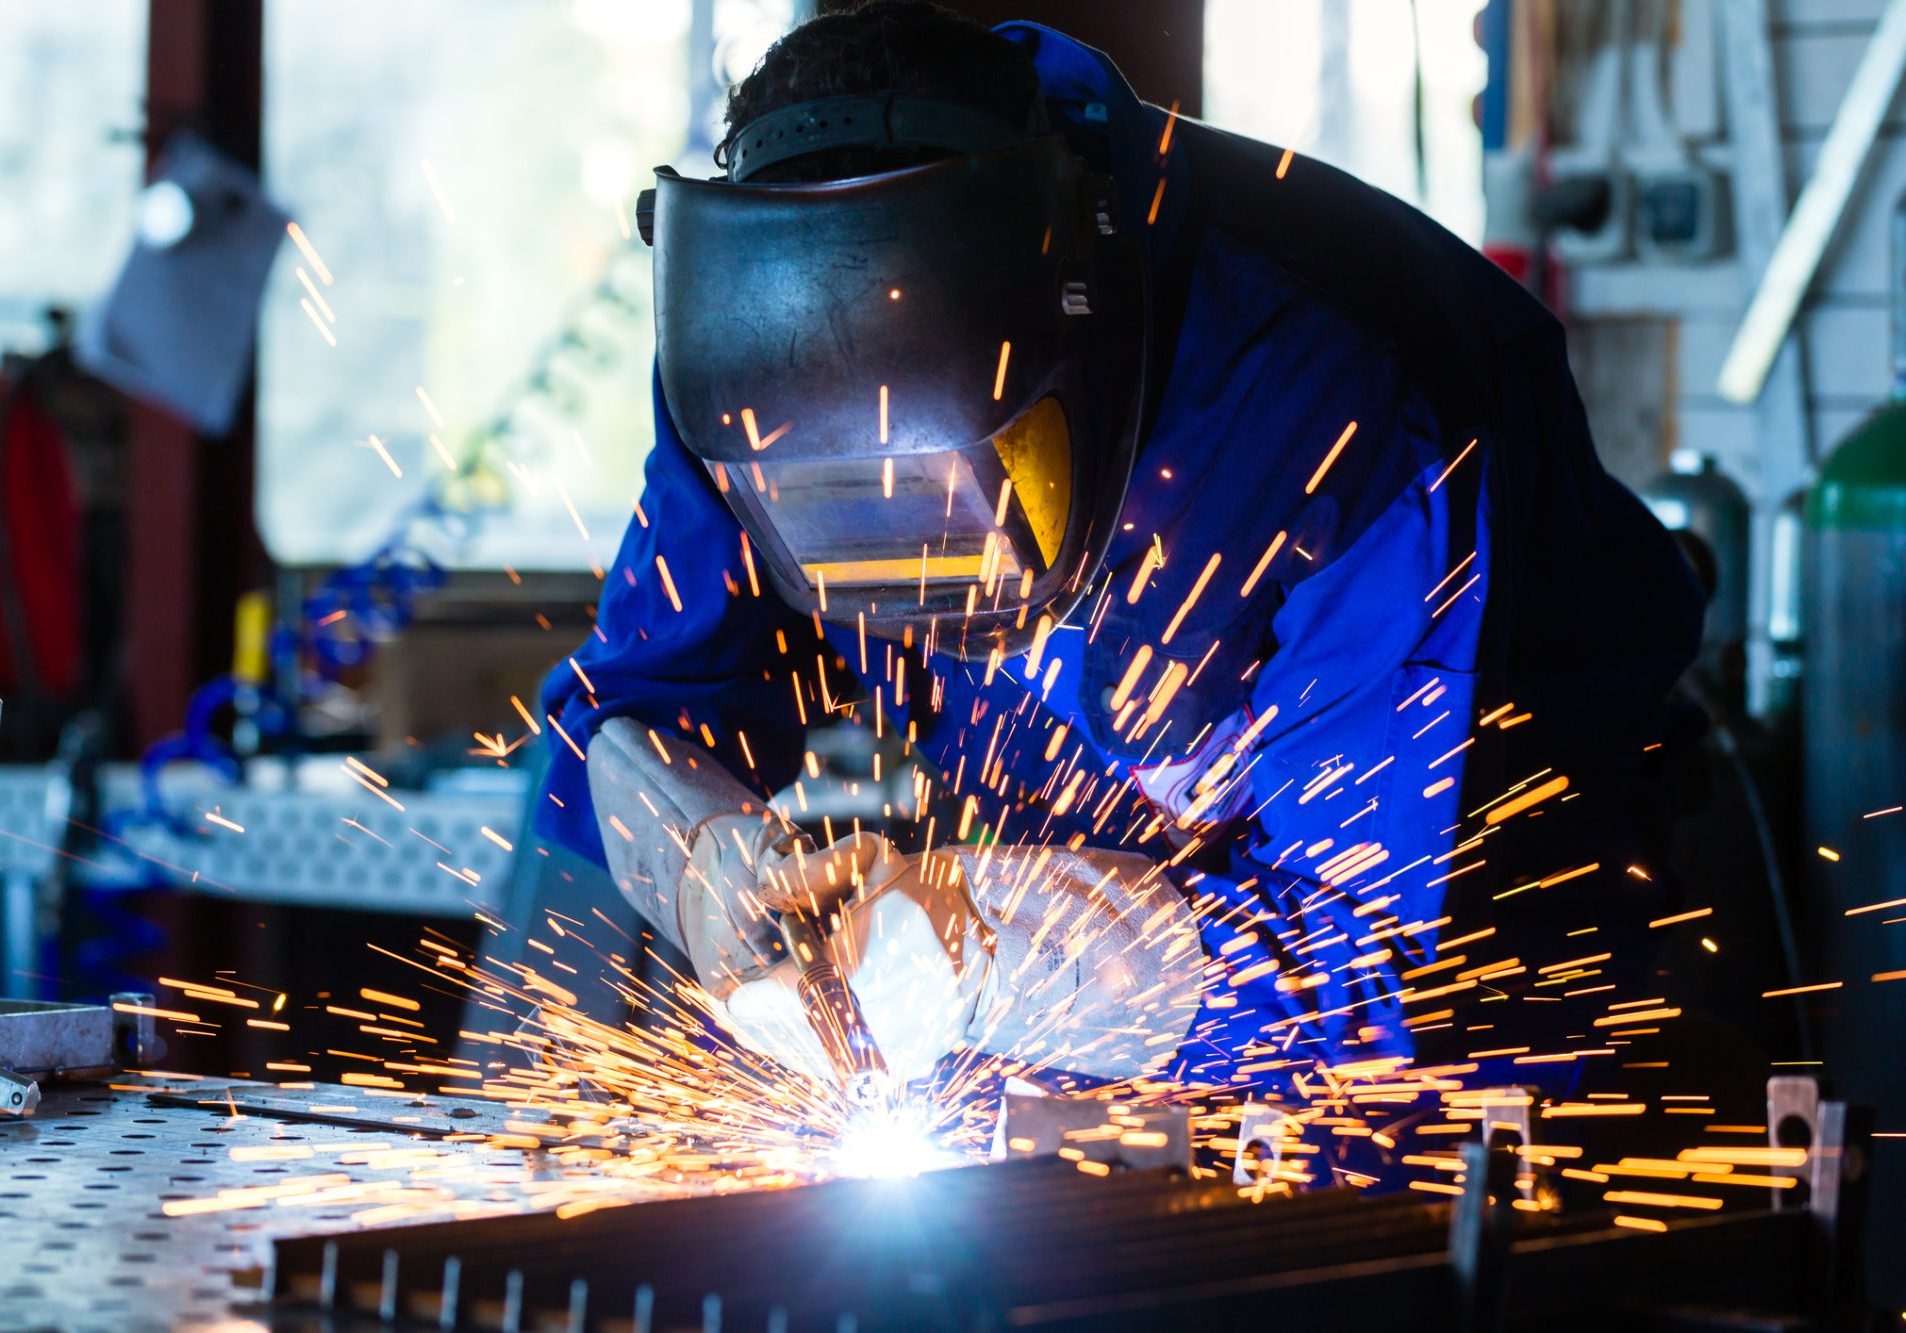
<point x="87" y="1242"/>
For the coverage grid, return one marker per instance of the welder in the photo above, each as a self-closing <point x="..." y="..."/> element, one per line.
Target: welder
<point x="1225" y="535"/>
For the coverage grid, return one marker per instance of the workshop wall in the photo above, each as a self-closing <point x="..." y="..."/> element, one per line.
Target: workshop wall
<point x="1815" y="46"/>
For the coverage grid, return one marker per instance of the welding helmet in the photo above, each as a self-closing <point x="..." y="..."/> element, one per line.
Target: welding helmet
<point x="918" y="389"/>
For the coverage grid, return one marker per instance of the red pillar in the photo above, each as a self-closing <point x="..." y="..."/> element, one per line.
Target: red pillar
<point x="190" y="541"/>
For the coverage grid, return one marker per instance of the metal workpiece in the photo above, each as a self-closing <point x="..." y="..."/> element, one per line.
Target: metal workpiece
<point x="1090" y="1130"/>
<point x="47" y="1038"/>
<point x="19" y="1094"/>
<point x="51" y="1039"/>
<point x="129" y="1210"/>
<point x="1040" y="1243"/>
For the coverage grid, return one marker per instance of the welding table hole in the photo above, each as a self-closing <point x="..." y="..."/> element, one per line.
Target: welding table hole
<point x="1793" y="1132"/>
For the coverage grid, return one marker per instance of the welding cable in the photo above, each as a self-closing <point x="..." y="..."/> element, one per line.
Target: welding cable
<point x="1776" y="878"/>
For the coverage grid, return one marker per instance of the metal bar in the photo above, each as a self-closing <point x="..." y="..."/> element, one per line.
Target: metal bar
<point x="1783" y="425"/>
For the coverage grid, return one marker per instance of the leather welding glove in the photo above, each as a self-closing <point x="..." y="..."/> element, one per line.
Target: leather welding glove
<point x="1085" y="962"/>
<point x="683" y="839"/>
<point x="1096" y="965"/>
<point x="705" y="862"/>
<point x="906" y="939"/>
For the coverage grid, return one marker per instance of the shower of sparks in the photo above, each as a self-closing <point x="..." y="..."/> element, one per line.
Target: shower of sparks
<point x="667" y="1100"/>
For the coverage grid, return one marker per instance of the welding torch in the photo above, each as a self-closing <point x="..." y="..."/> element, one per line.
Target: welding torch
<point x="829" y="1003"/>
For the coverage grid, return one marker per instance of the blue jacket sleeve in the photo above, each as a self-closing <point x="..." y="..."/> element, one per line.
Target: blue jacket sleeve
<point x="685" y="641"/>
<point x="1355" y="783"/>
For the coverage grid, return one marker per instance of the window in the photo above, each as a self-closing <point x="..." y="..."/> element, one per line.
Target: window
<point x="71" y="81"/>
<point x="1335" y="79"/>
<point x="465" y="174"/>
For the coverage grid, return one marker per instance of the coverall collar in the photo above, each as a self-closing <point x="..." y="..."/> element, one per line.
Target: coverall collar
<point x="1086" y="92"/>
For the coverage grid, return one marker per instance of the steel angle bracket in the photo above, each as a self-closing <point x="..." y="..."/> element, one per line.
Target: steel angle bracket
<point x="1508" y="1123"/>
<point x="19" y="1095"/>
<point x="1261" y="1140"/>
<point x="1831" y="1182"/>
<point x="1111" y="1132"/>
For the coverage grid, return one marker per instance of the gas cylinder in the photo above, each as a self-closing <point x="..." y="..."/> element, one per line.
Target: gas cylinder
<point x="1698" y="501"/>
<point x="1785" y="621"/>
<point x="1853" y="718"/>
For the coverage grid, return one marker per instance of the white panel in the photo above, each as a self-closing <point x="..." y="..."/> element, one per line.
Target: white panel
<point x="1812" y="70"/>
<point x="1727" y="433"/>
<point x="1604" y="290"/>
<point x="1805" y="14"/>
<point x="1724" y="432"/>
<point x="1846" y="352"/>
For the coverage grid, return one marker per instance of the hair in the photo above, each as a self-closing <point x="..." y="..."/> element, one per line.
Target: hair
<point x="905" y="46"/>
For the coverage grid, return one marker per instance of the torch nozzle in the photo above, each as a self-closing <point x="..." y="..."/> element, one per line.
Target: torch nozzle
<point x="834" y="1014"/>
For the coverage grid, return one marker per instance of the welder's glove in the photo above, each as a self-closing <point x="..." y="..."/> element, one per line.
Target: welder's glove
<point x="1096" y="966"/>
<point x="1086" y="962"/>
<point x="684" y="840"/>
<point x="703" y="860"/>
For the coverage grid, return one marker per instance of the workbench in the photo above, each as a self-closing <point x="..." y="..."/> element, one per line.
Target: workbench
<point x="84" y="1184"/>
<point x="159" y="1202"/>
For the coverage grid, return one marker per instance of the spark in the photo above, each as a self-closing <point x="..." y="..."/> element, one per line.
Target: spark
<point x="1171" y="119"/>
<point x="436" y="190"/>
<point x="1802" y="990"/>
<point x="668" y="583"/>
<point x="1316" y="478"/>
<point x="1444" y="475"/>
<point x="317" y="297"/>
<point x="1191" y="598"/>
<point x="384" y="454"/>
<point x="318" y="322"/>
<point x="305" y="248"/>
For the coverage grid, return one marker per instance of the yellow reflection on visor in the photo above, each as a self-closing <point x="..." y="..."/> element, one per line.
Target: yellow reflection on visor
<point x="1036" y="452"/>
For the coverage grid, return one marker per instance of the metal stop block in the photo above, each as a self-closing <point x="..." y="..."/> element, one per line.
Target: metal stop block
<point x="19" y="1095"/>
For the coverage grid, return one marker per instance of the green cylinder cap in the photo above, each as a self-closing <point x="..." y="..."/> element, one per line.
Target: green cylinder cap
<point x="1863" y="484"/>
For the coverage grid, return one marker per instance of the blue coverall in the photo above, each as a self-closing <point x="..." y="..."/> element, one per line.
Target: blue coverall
<point x="1441" y="619"/>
